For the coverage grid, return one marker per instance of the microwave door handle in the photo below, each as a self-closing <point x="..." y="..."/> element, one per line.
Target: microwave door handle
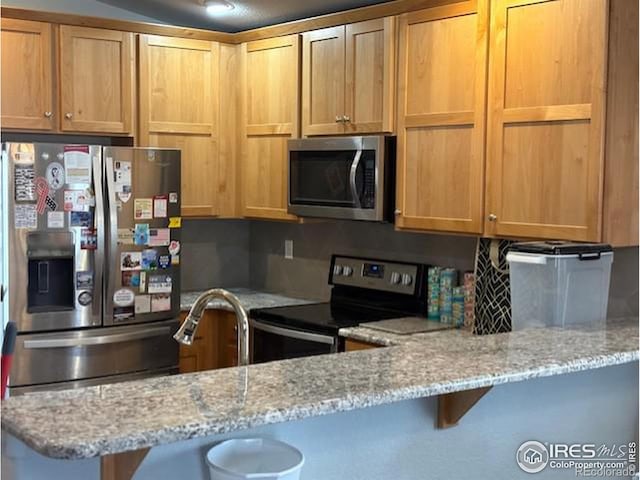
<point x="352" y="178"/>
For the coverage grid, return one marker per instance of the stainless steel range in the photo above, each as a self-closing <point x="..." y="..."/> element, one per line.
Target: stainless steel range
<point x="91" y="244"/>
<point x="364" y="290"/>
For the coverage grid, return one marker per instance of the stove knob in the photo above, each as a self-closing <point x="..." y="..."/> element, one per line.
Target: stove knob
<point x="407" y="279"/>
<point x="337" y="270"/>
<point x="347" y="271"/>
<point x="395" y="278"/>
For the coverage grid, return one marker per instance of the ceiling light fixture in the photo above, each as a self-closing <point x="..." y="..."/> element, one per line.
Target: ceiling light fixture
<point x="214" y="7"/>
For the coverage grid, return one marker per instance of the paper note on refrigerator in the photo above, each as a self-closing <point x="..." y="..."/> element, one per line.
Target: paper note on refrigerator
<point x="77" y="164"/>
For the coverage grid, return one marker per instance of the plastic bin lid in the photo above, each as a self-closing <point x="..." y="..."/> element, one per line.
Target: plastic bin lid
<point x="557" y="247"/>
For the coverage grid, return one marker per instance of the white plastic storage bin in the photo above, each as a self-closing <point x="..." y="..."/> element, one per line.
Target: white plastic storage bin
<point x="559" y="284"/>
<point x="254" y="458"/>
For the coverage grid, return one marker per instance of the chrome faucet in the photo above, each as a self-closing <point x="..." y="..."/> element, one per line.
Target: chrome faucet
<point x="187" y="330"/>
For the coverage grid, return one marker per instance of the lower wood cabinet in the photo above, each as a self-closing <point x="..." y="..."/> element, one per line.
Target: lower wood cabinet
<point x="215" y="344"/>
<point x="353" y="345"/>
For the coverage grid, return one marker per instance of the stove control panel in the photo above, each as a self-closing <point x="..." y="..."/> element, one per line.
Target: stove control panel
<point x="383" y="275"/>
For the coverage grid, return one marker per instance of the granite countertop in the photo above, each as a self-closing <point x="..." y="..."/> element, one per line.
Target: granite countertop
<point x="250" y="300"/>
<point x="383" y="338"/>
<point x="121" y="417"/>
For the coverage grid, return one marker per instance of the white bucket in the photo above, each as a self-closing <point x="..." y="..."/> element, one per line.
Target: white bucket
<point x="254" y="458"/>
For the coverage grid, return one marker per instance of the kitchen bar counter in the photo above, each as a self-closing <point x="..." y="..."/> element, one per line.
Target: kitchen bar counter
<point x="250" y="299"/>
<point x="122" y="417"/>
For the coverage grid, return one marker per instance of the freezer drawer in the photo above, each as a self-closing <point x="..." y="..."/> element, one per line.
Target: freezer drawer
<point x="92" y="382"/>
<point x="77" y="355"/>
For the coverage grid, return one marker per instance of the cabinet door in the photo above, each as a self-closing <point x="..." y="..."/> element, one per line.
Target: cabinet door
<point x="323" y="81"/>
<point x="370" y="74"/>
<point x="546" y="113"/>
<point x="269" y="118"/>
<point x="441" y="117"/>
<point x="96" y="81"/>
<point x="202" y="354"/>
<point x="27" y="75"/>
<point x="178" y="109"/>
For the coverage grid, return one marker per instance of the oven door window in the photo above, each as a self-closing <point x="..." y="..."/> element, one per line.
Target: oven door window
<point x="324" y="178"/>
<point x="268" y="347"/>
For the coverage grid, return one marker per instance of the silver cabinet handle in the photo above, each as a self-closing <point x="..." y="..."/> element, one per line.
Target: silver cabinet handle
<point x="48" y="114"/>
<point x="285" y="332"/>
<point x="352" y="178"/>
<point x="96" y="340"/>
<point x="68" y="116"/>
<point x="339" y="119"/>
<point x="397" y="212"/>
<point x="346" y="118"/>
<point x="492" y="217"/>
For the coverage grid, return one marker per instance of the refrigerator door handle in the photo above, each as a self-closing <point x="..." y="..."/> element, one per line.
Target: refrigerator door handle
<point x="100" y="226"/>
<point x="112" y="247"/>
<point x="76" y="341"/>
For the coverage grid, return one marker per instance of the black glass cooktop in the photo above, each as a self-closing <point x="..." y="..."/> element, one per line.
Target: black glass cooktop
<point x="321" y="317"/>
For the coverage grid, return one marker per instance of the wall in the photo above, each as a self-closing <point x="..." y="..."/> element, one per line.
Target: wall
<point x="313" y="243"/>
<point x="398" y="441"/>
<point x="90" y="8"/>
<point x="306" y="274"/>
<point x="214" y="254"/>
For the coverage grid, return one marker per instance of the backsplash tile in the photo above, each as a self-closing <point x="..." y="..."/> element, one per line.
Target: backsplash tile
<point x="243" y="253"/>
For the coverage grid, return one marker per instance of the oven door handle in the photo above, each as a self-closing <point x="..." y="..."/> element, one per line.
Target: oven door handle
<point x="352" y="178"/>
<point x="286" y="332"/>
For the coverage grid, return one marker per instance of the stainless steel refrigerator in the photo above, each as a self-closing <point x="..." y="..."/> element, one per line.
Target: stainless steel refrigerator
<point x="91" y="262"/>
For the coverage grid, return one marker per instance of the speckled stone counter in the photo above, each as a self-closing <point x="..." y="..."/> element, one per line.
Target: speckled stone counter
<point x="250" y="299"/>
<point x="132" y="415"/>
<point x="375" y="337"/>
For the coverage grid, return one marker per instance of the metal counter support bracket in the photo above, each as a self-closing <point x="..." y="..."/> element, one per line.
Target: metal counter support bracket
<point x="453" y="406"/>
<point x="121" y="466"/>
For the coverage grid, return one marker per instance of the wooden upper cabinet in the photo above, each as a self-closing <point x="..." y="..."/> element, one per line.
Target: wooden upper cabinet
<point x="370" y="76"/>
<point x="323" y="77"/>
<point x="27" y="75"/>
<point x="96" y="80"/>
<point x="441" y="118"/>
<point x="269" y="117"/>
<point x="179" y="109"/>
<point x="348" y="78"/>
<point x="546" y="118"/>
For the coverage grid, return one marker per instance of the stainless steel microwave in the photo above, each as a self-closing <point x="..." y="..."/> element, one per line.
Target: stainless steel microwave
<point x="342" y="177"/>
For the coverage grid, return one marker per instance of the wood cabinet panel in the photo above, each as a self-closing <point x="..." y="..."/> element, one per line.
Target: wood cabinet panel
<point x="179" y="109"/>
<point x="441" y="118"/>
<point x="348" y="78"/>
<point x="545" y="116"/>
<point x="355" y="345"/>
<point x="620" y="219"/>
<point x="96" y="81"/>
<point x="203" y="353"/>
<point x="270" y="73"/>
<point x="323" y="85"/>
<point x="199" y="173"/>
<point x="27" y="75"/>
<point x="370" y="75"/>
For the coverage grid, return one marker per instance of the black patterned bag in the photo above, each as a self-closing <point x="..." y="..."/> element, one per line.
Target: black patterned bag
<point x="493" y="295"/>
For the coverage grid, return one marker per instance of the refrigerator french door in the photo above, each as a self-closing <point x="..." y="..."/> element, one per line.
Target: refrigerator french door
<point x="83" y="316"/>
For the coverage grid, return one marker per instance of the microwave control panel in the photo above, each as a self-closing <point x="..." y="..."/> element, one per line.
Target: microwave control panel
<point x="380" y="275"/>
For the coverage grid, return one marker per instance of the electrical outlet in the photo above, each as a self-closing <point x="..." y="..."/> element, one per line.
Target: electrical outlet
<point x="288" y="249"/>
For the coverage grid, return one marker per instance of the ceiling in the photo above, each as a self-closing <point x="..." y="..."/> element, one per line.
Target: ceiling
<point x="246" y="15"/>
